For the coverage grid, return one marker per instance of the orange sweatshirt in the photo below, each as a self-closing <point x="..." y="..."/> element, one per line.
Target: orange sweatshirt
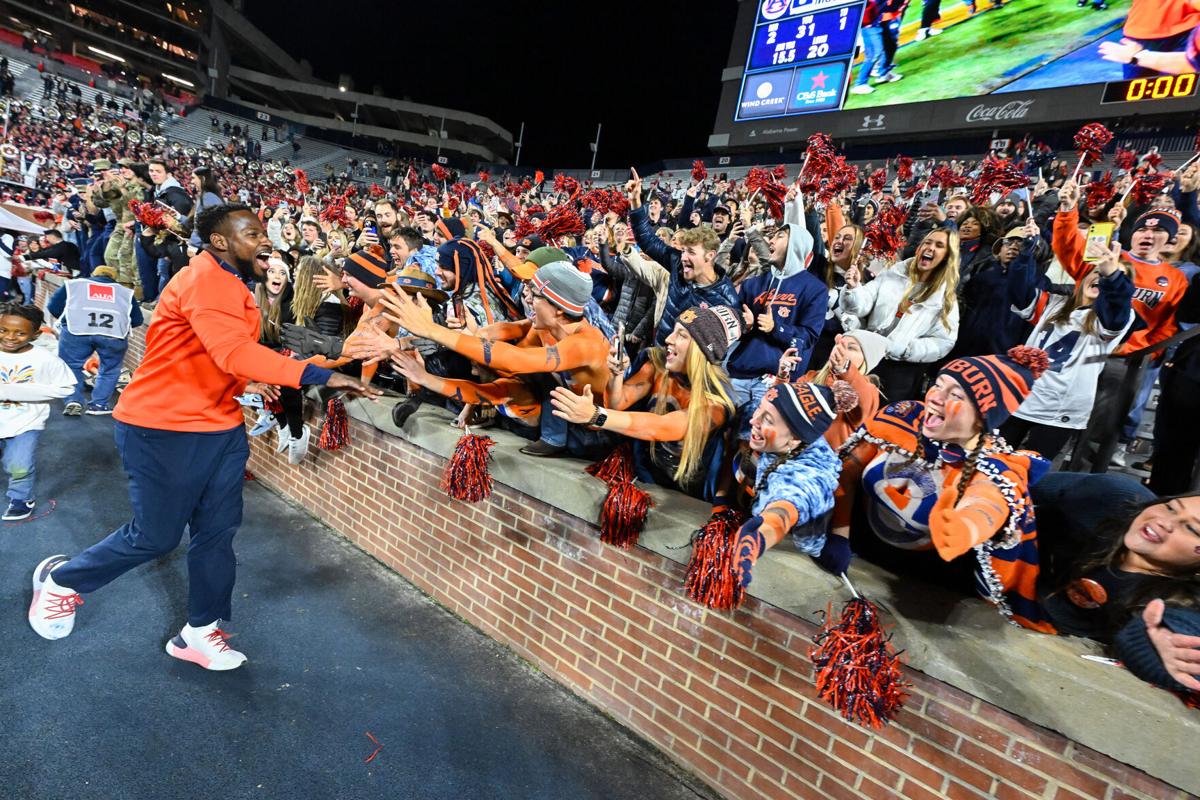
<point x="201" y="350"/>
<point x="1158" y="19"/>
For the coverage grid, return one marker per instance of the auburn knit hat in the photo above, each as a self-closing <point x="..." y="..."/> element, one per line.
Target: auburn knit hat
<point x="563" y="286"/>
<point x="1166" y="219"/>
<point x="715" y="330"/>
<point x="998" y="384"/>
<point x="451" y="227"/>
<point x="367" y="265"/>
<point x="808" y="409"/>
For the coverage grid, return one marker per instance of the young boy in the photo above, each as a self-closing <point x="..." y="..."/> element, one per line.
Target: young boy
<point x="29" y="378"/>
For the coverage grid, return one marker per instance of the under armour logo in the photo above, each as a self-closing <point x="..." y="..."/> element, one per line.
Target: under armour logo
<point x="873" y="122"/>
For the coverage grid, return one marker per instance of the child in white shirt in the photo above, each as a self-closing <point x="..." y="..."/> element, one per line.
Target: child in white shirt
<point x="30" y="377"/>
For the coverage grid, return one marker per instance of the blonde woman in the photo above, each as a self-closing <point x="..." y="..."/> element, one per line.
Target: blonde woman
<point x="274" y="295"/>
<point x="686" y="394"/>
<point x="313" y="306"/>
<point x="914" y="303"/>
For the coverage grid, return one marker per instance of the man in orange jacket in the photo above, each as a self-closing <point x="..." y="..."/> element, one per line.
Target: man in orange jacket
<point x="180" y="432"/>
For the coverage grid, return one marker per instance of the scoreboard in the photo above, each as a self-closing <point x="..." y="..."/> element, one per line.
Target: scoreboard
<point x="799" y="57"/>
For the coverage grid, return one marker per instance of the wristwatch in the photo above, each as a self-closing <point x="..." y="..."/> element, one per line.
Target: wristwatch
<point x="1133" y="59"/>
<point x="598" y="418"/>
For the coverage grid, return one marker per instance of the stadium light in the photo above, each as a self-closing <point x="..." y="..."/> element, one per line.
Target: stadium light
<point x="341" y="88"/>
<point x="106" y="54"/>
<point x="180" y="81"/>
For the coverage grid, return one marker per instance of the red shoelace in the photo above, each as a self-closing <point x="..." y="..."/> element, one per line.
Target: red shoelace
<point x="218" y="637"/>
<point x="63" y="605"/>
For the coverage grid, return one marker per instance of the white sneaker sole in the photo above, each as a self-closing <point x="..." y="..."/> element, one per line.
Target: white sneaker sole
<point x="191" y="655"/>
<point x="47" y="629"/>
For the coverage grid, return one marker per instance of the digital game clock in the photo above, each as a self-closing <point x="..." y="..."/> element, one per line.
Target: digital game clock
<point x="1162" y="87"/>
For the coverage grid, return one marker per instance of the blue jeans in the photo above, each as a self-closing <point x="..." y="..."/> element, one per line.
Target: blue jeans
<point x="1134" y="418"/>
<point x="747" y="394"/>
<point x="95" y="252"/>
<point x="872" y="38"/>
<point x="75" y="350"/>
<point x="177" y="480"/>
<point x="164" y="274"/>
<point x="18" y="456"/>
<point x="147" y="268"/>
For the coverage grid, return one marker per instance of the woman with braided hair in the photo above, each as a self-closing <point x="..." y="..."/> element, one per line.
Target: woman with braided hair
<point x="936" y="476"/>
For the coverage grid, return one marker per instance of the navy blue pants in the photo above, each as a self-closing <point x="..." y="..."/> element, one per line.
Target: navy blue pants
<point x="176" y="480"/>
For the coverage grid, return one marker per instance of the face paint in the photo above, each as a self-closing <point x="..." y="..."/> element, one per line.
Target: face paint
<point x="953" y="407"/>
<point x="769" y="438"/>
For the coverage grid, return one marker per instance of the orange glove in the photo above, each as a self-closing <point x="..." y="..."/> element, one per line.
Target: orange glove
<point x="977" y="518"/>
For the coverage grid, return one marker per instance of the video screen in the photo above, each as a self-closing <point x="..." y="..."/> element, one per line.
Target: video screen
<point x="809" y="56"/>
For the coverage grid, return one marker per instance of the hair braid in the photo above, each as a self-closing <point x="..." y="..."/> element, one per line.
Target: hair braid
<point x="970" y="467"/>
<point x="761" y="480"/>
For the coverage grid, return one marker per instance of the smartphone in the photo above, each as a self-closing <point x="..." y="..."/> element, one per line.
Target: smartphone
<point x="1100" y="233"/>
<point x="618" y="340"/>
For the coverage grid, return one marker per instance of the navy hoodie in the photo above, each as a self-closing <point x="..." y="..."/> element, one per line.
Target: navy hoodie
<point x="797" y="300"/>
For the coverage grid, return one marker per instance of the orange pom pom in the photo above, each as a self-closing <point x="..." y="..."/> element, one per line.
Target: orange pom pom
<point x="1034" y="359"/>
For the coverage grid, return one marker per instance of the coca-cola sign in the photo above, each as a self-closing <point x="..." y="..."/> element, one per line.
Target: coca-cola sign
<point x="1017" y="109"/>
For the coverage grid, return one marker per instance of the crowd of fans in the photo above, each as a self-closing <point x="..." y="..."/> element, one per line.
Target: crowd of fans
<point x="896" y="369"/>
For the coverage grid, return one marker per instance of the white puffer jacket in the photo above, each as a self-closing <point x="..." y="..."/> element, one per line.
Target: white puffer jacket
<point x="919" y="336"/>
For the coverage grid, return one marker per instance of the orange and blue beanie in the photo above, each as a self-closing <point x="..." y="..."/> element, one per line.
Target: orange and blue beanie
<point x="997" y="385"/>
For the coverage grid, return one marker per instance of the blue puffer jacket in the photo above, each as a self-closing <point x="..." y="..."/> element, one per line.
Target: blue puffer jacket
<point x="807" y="482"/>
<point x="681" y="295"/>
<point x="797" y="300"/>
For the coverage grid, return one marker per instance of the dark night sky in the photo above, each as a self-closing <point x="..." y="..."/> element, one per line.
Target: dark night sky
<point x="649" y="70"/>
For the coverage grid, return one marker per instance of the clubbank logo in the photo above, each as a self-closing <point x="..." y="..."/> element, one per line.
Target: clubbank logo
<point x="875" y="123"/>
<point x="1018" y="109"/>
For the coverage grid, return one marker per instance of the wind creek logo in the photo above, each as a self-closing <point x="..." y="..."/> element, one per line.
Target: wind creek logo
<point x="1018" y="109"/>
<point x="875" y="123"/>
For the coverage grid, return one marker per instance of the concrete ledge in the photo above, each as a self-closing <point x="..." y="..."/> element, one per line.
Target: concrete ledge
<point x="960" y="641"/>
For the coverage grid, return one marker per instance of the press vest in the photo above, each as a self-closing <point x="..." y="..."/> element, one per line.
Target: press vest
<point x="98" y="309"/>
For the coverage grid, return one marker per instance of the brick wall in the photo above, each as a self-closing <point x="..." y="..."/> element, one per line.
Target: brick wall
<point x="729" y="696"/>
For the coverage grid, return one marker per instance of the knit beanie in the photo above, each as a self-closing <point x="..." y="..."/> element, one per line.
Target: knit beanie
<point x="547" y="255"/>
<point x="1166" y="219"/>
<point x="998" y="384"/>
<point x="104" y="272"/>
<point x="564" y="286"/>
<point x="451" y="227"/>
<point x="715" y="330"/>
<point x="873" y="346"/>
<point x="367" y="265"/>
<point x="1137" y="652"/>
<point x="808" y="409"/>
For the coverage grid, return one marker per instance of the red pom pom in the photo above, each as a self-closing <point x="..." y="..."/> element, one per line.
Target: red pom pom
<point x="885" y="233"/>
<point x="335" y="432"/>
<point x="1091" y="141"/>
<point x="1125" y="159"/>
<point x="302" y="185"/>
<point x="779" y="173"/>
<point x="623" y="514"/>
<point x="858" y="671"/>
<point x="561" y="221"/>
<point x="484" y="177"/>
<point x="1034" y="359"/>
<point x="711" y="578"/>
<point x="699" y="171"/>
<point x="375" y="190"/>
<point x="904" y="168"/>
<point x="946" y="178"/>
<point x="1100" y="192"/>
<point x="772" y="191"/>
<point x="466" y="476"/>
<point x="149" y="214"/>
<point x="565" y="184"/>
<point x="602" y="201"/>
<point x="877" y="180"/>
<point x="439" y="172"/>
<point x="1149" y="186"/>
<point x="1152" y="160"/>
<point x="538" y="177"/>
<point x="997" y="175"/>
<point x="615" y="467"/>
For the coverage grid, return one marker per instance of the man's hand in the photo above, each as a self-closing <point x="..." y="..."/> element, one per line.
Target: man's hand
<point x="486" y="235"/>
<point x="366" y="239"/>
<point x="415" y="316"/>
<point x="1180" y="654"/>
<point x="747" y="317"/>
<point x="353" y="386"/>
<point x="371" y="345"/>
<point x="766" y="321"/>
<point x="936" y="212"/>
<point x="327" y="281"/>
<point x="787" y="363"/>
<point x="577" y="408"/>
<point x="1117" y="214"/>
<point x="308" y="342"/>
<point x="467" y="324"/>
<point x="269" y="392"/>
<point x="1189" y="181"/>
<point x="1068" y="196"/>
<point x="411" y="365"/>
<point x="634" y="189"/>
<point x="618" y="361"/>
<point x="1031" y="229"/>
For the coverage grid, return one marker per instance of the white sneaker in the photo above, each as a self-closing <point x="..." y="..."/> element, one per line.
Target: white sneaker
<point x="1120" y="456"/>
<point x="298" y="448"/>
<point x="284" y="440"/>
<point x="862" y="88"/>
<point x="52" y="612"/>
<point x="935" y="31"/>
<point x="891" y="77"/>
<point x="205" y="646"/>
<point x="922" y="33"/>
